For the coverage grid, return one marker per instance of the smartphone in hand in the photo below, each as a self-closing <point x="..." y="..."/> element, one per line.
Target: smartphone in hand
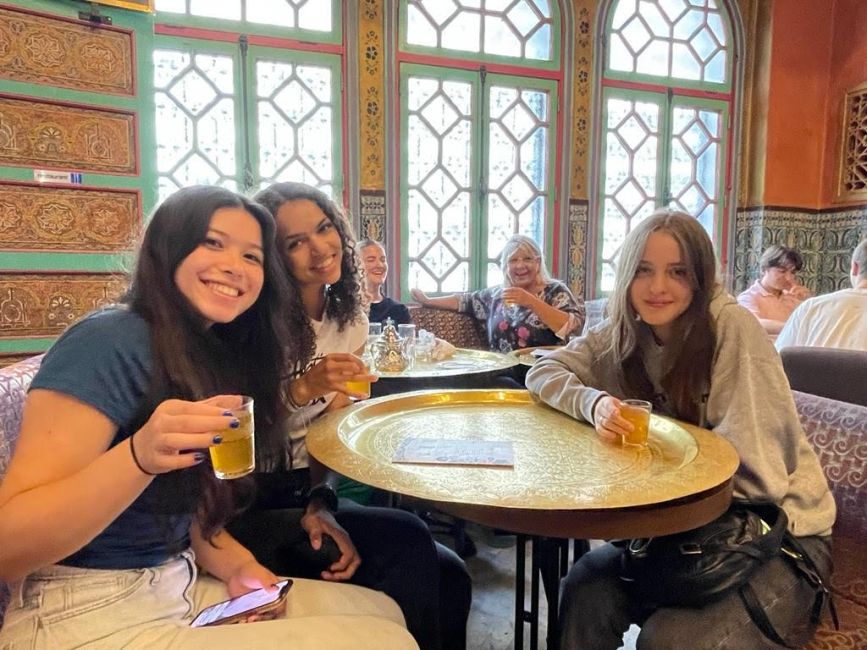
<point x="237" y="609"/>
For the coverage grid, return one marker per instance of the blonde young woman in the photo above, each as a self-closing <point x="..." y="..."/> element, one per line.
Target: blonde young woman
<point x="676" y="338"/>
<point x="527" y="310"/>
<point x="374" y="265"/>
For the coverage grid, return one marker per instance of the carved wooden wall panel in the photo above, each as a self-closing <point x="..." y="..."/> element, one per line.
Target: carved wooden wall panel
<point x="39" y="218"/>
<point x="44" y="304"/>
<point x="42" y="134"/>
<point x="8" y="358"/>
<point x="41" y="49"/>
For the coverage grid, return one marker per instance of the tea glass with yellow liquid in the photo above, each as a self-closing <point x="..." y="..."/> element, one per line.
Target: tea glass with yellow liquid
<point x="362" y="388"/>
<point x="637" y="412"/>
<point x="235" y="456"/>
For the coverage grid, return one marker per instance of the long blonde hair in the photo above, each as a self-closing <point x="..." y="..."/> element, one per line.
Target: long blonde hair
<point x="689" y="357"/>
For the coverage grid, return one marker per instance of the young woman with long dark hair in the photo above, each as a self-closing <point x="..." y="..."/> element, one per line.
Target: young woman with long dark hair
<point x="108" y="509"/>
<point x="383" y="548"/>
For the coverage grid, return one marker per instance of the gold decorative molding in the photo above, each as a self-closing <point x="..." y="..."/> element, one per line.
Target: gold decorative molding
<point x="371" y="94"/>
<point x="585" y="13"/>
<point x="40" y="218"/>
<point x="752" y="154"/>
<point x="44" y="304"/>
<point x="36" y="133"/>
<point x="42" y="49"/>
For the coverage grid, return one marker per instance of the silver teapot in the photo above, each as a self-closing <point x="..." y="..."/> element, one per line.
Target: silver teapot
<point x="388" y="351"/>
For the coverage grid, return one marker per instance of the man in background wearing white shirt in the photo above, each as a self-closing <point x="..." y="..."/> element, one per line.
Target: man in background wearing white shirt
<point x="834" y="320"/>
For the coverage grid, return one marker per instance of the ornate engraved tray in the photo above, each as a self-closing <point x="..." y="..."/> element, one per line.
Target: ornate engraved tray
<point x="560" y="463"/>
<point x="526" y="357"/>
<point x="463" y="362"/>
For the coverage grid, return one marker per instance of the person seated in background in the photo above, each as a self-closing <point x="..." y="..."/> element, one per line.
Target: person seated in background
<point x="374" y="265"/>
<point x="677" y="339"/>
<point x="776" y="294"/>
<point x="110" y="505"/>
<point x="527" y="310"/>
<point x="834" y="320"/>
<point x="386" y="549"/>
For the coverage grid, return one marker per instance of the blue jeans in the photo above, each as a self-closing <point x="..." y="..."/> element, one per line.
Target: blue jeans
<point x="595" y="609"/>
<point x="65" y="607"/>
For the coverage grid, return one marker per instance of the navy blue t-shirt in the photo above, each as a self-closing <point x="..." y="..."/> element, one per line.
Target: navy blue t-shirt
<point x="104" y="360"/>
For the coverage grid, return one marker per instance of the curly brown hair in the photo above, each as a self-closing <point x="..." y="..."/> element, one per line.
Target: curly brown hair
<point x="344" y="296"/>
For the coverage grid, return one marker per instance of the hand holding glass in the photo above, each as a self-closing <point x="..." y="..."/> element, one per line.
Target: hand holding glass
<point x="637" y="412"/>
<point x="360" y="387"/>
<point x="235" y="456"/>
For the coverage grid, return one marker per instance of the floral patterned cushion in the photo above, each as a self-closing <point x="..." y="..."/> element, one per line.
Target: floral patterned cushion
<point x="14" y="382"/>
<point x="461" y="330"/>
<point x="838" y="433"/>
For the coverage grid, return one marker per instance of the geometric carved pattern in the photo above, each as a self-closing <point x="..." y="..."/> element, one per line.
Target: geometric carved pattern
<point x="42" y="49"/>
<point x="825" y="239"/>
<point x="44" y="304"/>
<point x="576" y="256"/>
<point x="583" y="61"/>
<point x="38" y="218"/>
<point x="373" y="224"/>
<point x="853" y="159"/>
<point x="371" y="94"/>
<point x="42" y="133"/>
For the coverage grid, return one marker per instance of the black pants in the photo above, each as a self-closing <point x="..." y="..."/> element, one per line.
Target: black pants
<point x="429" y="582"/>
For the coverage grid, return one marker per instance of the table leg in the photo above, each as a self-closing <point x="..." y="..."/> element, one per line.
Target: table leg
<point x="535" y="572"/>
<point x="520" y="566"/>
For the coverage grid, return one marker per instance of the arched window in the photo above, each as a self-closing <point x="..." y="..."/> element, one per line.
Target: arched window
<point x="667" y="103"/>
<point x="248" y="92"/>
<point x="479" y="87"/>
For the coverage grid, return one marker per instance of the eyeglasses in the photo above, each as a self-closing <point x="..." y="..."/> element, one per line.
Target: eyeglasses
<point x="521" y="260"/>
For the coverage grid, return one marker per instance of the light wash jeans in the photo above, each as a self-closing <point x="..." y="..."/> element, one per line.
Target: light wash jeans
<point x="65" y="607"/>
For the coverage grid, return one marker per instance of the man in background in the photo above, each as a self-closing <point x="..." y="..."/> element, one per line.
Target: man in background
<point x="834" y="320"/>
<point x="775" y="295"/>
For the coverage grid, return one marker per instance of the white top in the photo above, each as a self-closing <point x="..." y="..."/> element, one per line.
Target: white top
<point x="328" y="340"/>
<point x="832" y="320"/>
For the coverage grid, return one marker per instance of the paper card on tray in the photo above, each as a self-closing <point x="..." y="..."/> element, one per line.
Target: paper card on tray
<point x="435" y="451"/>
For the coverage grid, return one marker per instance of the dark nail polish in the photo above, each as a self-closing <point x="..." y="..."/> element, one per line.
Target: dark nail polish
<point x="234" y="424"/>
<point x="199" y="456"/>
<point x="218" y="439"/>
<point x="227" y="413"/>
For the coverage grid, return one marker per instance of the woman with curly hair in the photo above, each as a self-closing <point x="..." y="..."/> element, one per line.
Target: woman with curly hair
<point x="399" y="556"/>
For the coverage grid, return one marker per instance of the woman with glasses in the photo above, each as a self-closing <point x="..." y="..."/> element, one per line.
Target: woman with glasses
<point x="528" y="309"/>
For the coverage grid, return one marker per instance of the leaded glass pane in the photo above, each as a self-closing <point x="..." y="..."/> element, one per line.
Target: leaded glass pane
<point x="518" y="157"/>
<point x="439" y="155"/>
<point x="195" y="120"/>
<point x="629" y="185"/>
<point x="696" y="142"/>
<point x="313" y="15"/>
<point x="669" y="38"/>
<point x="512" y="28"/>
<point x="295" y="122"/>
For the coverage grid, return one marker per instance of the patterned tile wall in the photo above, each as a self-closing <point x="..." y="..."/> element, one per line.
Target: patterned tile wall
<point x="576" y="265"/>
<point x="825" y="238"/>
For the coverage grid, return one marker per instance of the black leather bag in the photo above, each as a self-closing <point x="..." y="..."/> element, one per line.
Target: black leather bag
<point x="700" y="566"/>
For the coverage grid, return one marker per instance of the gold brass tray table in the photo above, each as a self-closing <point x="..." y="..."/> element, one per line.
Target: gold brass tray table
<point x="464" y="361"/>
<point x="565" y="482"/>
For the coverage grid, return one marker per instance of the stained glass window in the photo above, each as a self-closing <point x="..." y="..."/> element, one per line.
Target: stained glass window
<point x="477" y="146"/>
<point x="666" y="106"/>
